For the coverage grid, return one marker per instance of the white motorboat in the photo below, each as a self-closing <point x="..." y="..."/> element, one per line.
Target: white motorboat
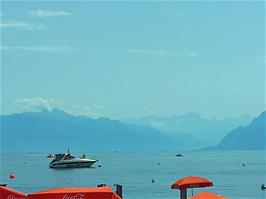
<point x="66" y="160"/>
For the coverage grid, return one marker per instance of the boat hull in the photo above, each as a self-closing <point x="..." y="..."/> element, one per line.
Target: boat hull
<point x="71" y="164"/>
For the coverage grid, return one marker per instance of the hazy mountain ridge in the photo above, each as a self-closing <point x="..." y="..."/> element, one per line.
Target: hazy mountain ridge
<point x="250" y="137"/>
<point x="58" y="130"/>
<point x="209" y="131"/>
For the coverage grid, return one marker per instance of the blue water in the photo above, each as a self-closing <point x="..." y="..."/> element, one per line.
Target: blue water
<point x="135" y="172"/>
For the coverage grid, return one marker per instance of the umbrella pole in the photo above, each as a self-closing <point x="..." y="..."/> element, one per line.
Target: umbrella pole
<point x="183" y="193"/>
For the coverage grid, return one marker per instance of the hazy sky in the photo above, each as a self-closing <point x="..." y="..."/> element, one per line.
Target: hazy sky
<point x="130" y="59"/>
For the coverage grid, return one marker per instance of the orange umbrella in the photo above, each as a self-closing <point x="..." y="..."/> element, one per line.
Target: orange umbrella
<point x="207" y="195"/>
<point x="75" y="193"/>
<point x="7" y="193"/>
<point x="191" y="182"/>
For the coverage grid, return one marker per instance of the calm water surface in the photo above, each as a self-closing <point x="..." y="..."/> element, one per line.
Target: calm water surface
<point x="135" y="172"/>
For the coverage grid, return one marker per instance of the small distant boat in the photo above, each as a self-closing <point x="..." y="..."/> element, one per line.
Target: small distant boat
<point x="66" y="160"/>
<point x="179" y="155"/>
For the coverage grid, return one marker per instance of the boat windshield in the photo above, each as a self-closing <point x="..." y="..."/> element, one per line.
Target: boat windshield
<point x="69" y="157"/>
<point x="58" y="157"/>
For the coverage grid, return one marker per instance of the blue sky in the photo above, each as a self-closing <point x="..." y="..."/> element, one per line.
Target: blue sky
<point x="131" y="59"/>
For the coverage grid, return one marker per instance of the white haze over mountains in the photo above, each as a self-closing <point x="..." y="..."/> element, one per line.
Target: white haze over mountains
<point x="206" y="130"/>
<point x="37" y="104"/>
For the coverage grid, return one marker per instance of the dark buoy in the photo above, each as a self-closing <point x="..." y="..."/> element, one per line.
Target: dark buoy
<point x="153" y="181"/>
<point x="263" y="187"/>
<point x="99" y="165"/>
<point x="243" y="165"/>
<point x="158" y="163"/>
<point x="179" y="155"/>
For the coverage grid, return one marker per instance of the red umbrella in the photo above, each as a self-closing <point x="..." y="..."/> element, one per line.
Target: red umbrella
<point x="207" y="195"/>
<point x="75" y="193"/>
<point x="7" y="193"/>
<point x="191" y="182"/>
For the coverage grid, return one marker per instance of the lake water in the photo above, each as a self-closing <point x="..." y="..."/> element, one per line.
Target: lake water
<point x="136" y="170"/>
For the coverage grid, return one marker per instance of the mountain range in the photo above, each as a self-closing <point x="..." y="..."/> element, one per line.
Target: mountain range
<point x="250" y="137"/>
<point x="56" y="130"/>
<point x="204" y="131"/>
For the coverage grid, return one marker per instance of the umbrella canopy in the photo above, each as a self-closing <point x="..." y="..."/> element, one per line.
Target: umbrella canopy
<point x="191" y="182"/>
<point x="207" y="195"/>
<point x="7" y="193"/>
<point x="75" y="193"/>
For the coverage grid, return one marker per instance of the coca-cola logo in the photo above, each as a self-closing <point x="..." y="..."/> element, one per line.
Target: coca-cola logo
<point x="11" y="196"/>
<point x="76" y="196"/>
